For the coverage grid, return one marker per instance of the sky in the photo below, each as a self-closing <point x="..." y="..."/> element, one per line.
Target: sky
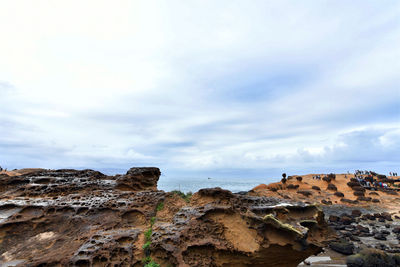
<point x="201" y="88"/>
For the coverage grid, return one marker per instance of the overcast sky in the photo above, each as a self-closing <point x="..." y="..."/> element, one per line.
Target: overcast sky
<point x="234" y="88"/>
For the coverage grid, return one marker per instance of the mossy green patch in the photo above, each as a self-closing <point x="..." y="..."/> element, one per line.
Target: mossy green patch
<point x="160" y="206"/>
<point x="152" y="221"/>
<point x="152" y="264"/>
<point x="146" y="245"/>
<point x="148" y="233"/>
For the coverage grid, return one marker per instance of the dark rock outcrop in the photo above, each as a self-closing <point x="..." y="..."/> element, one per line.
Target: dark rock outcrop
<point x="339" y="194"/>
<point x="343" y="247"/>
<point x="316" y="188"/>
<point x="373" y="257"/>
<point x="331" y="187"/>
<point x="305" y="193"/>
<point x="292" y="186"/>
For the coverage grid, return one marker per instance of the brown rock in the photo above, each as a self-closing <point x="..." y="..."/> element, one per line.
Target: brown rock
<point x="346" y="220"/>
<point x="85" y="218"/>
<point x="137" y="179"/>
<point x="333" y="218"/>
<point x="356" y="213"/>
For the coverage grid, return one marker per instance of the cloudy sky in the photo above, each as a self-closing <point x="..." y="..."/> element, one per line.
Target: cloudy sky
<point x="228" y="88"/>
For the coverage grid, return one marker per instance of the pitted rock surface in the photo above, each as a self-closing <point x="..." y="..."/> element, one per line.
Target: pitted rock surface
<point x="86" y="218"/>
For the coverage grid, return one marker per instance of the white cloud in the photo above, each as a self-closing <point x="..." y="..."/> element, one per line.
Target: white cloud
<point x="198" y="84"/>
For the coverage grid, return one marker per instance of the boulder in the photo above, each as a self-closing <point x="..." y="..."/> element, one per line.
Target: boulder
<point x="304" y="193"/>
<point x="138" y="179"/>
<point x="326" y="202"/>
<point x="314" y="187"/>
<point x="339" y="194"/>
<point x="362" y="229"/>
<point x="363" y="198"/>
<point x="358" y="193"/>
<point x="373" y="257"/>
<point x="333" y="218"/>
<point x="346" y="219"/>
<point x="216" y="192"/>
<point x="342" y="246"/>
<point x="331" y="187"/>
<point x="326" y="179"/>
<point x="352" y="184"/>
<point x="380" y="236"/>
<point x="356" y="213"/>
<point x="292" y="186"/>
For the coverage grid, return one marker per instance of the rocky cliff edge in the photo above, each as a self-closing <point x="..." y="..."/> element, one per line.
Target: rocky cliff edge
<point x="86" y="218"/>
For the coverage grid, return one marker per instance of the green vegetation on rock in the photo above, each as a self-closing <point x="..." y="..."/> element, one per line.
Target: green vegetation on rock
<point x="160" y="206"/>
<point x="185" y="197"/>
<point x="146" y="245"/>
<point x="152" y="264"/>
<point x="152" y="221"/>
<point x="148" y="233"/>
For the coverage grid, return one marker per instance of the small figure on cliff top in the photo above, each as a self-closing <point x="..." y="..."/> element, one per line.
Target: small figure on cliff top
<point x="283" y="178"/>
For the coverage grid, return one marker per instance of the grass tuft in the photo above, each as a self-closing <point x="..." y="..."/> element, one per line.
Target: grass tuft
<point x="160" y="206"/>
<point x="152" y="264"/>
<point x="148" y="233"/>
<point x="185" y="197"/>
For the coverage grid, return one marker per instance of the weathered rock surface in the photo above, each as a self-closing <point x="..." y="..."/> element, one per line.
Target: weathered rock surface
<point x="373" y="257"/>
<point x="85" y="218"/>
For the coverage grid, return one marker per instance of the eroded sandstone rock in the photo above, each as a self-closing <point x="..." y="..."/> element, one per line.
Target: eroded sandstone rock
<point x="86" y="218"/>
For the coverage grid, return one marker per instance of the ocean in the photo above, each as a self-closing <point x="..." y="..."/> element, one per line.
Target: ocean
<point x="194" y="184"/>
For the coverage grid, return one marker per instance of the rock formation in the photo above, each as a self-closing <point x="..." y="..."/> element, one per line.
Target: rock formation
<point x="364" y="217"/>
<point x="86" y="218"/>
